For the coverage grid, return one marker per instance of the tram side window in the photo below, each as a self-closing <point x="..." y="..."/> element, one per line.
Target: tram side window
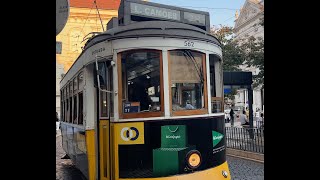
<point x="216" y="101"/>
<point x="63" y="110"/>
<point x="67" y="104"/>
<point x="67" y="111"/>
<point x="80" y="97"/>
<point x="80" y="81"/>
<point x="103" y="104"/>
<point x="70" y="102"/>
<point x="75" y="109"/>
<point x="110" y="96"/>
<point x="187" y="80"/>
<point x="141" y="76"/>
<point x="61" y="105"/>
<point x="75" y="97"/>
<point x="70" y="110"/>
<point x="80" y="115"/>
<point x="104" y="85"/>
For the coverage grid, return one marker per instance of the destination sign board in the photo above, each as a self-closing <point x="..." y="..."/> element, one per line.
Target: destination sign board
<point x="132" y="11"/>
<point x="195" y="18"/>
<point x="157" y="12"/>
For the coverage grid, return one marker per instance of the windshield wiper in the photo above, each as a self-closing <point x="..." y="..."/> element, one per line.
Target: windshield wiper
<point x="189" y="56"/>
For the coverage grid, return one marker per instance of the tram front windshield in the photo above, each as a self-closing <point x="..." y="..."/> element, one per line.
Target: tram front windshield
<point x="186" y="80"/>
<point x="141" y="75"/>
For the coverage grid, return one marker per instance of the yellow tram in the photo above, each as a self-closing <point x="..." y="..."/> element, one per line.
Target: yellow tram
<point x="144" y="98"/>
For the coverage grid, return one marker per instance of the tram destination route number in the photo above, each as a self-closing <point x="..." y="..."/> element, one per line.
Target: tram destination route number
<point x="189" y="43"/>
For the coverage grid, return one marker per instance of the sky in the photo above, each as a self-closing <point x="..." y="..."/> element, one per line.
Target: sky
<point x="221" y="11"/>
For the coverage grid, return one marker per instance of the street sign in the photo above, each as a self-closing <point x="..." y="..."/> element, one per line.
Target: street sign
<point x="62" y="14"/>
<point x="58" y="47"/>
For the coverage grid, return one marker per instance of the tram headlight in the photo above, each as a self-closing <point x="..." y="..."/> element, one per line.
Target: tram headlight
<point x="193" y="159"/>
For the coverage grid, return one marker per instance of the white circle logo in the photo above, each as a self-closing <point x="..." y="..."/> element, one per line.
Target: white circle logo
<point x="127" y="133"/>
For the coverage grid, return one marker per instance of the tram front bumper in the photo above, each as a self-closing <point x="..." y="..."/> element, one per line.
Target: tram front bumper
<point x="219" y="172"/>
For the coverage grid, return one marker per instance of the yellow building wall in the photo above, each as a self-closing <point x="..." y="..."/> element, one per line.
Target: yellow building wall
<point x="81" y="22"/>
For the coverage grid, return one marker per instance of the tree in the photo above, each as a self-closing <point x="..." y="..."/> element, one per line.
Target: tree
<point x="231" y="51"/>
<point x="254" y="57"/>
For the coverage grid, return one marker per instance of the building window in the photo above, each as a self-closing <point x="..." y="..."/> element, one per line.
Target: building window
<point x="187" y="80"/>
<point x="141" y="73"/>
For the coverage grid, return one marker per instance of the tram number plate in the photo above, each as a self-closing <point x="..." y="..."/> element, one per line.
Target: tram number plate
<point x="131" y="107"/>
<point x="189" y="43"/>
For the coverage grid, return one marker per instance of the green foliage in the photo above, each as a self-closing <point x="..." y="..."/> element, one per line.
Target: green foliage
<point x="232" y="53"/>
<point x="253" y="50"/>
<point x="248" y="52"/>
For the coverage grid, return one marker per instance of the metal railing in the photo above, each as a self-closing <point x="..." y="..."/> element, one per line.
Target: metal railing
<point x="246" y="139"/>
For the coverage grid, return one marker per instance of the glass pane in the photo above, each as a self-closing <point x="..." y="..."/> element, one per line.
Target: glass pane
<point x="75" y="84"/>
<point x="71" y="88"/>
<point x="110" y="96"/>
<point x="75" y="112"/>
<point x="80" y="117"/>
<point x="70" y="110"/>
<point x="80" y="81"/>
<point x="186" y="73"/>
<point x="141" y="74"/>
<point x="103" y="104"/>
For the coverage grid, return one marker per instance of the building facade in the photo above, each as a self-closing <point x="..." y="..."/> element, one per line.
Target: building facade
<point x="248" y="23"/>
<point x="85" y="17"/>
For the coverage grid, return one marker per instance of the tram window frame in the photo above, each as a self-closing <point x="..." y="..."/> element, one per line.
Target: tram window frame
<point x="65" y="105"/>
<point x="75" y="100"/>
<point x="121" y="88"/>
<point x="203" y="110"/>
<point x="110" y="96"/>
<point x="75" y="108"/>
<point x="61" y="104"/>
<point x="67" y="110"/>
<point x="103" y="96"/>
<point x="80" y="111"/>
<point x="81" y="83"/>
<point x="75" y="85"/>
<point x="70" y="103"/>
<point x="217" y="105"/>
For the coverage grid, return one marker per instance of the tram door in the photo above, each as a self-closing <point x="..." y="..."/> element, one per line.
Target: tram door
<point x="105" y="111"/>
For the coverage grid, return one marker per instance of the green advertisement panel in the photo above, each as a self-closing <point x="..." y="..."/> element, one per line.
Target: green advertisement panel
<point x="174" y="136"/>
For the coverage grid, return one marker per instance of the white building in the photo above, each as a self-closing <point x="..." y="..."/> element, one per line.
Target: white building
<point x="247" y="24"/>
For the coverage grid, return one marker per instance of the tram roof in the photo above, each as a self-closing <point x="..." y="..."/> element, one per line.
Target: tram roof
<point x="154" y="29"/>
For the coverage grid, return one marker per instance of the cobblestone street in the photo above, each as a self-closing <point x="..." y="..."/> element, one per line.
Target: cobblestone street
<point x="65" y="170"/>
<point x="242" y="169"/>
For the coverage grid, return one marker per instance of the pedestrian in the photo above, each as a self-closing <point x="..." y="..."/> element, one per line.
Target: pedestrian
<point x="232" y="117"/>
<point x="247" y="112"/>
<point x="243" y="118"/>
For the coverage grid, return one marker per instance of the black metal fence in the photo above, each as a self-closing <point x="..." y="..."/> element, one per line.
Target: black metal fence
<point x="259" y="124"/>
<point x="247" y="139"/>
